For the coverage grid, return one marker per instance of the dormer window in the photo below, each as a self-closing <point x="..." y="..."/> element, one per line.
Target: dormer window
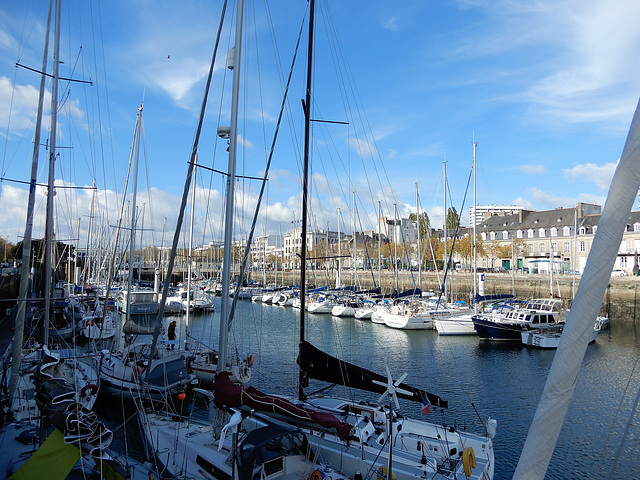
<point x="566" y="231"/>
<point x="541" y="232"/>
<point x="519" y="234"/>
<point x="505" y="235"/>
<point x="583" y="230"/>
<point x="530" y="233"/>
<point x="554" y="232"/>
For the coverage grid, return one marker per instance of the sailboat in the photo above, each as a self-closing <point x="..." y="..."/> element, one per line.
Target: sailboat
<point x="141" y="370"/>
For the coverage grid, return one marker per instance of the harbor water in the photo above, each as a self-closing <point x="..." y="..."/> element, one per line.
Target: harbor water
<point x="600" y="437"/>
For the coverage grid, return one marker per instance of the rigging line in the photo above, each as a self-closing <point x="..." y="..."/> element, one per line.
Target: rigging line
<point x="448" y="262"/>
<point x="263" y="185"/>
<point x="363" y="119"/>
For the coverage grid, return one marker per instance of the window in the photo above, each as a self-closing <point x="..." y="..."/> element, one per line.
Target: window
<point x="531" y="249"/>
<point x="623" y="262"/>
<point x="583" y="247"/>
<point x="554" y="232"/>
<point x="530" y="233"/>
<point x="636" y="227"/>
<point x="567" y="247"/>
<point x="542" y="249"/>
<point x="583" y="230"/>
<point x="554" y="247"/>
<point x="566" y="231"/>
<point x="636" y="245"/>
<point x="519" y="234"/>
<point x="541" y="232"/>
<point x="505" y="235"/>
<point x="492" y="235"/>
<point x="595" y="227"/>
<point x="483" y="236"/>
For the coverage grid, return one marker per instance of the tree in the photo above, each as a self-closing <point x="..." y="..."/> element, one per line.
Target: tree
<point x="425" y="224"/>
<point x="452" y="218"/>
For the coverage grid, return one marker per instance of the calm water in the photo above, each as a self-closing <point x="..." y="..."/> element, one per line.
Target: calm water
<point x="503" y="382"/>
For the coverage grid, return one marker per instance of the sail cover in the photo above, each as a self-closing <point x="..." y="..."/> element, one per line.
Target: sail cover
<point x="322" y="366"/>
<point x="228" y="394"/>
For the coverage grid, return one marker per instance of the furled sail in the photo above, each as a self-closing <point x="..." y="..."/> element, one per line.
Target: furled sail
<point x="228" y="394"/>
<point x="322" y="366"/>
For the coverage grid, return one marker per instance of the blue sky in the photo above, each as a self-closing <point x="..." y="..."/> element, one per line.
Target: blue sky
<point x="547" y="89"/>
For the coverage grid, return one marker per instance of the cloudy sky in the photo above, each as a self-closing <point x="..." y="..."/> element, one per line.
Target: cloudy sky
<point x="547" y="89"/>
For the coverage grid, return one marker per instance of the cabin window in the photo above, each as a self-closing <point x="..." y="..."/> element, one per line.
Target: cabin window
<point x="535" y="320"/>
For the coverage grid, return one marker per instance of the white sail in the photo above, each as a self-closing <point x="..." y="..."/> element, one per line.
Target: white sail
<point x="545" y="428"/>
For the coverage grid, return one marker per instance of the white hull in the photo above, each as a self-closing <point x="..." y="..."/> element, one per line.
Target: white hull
<point x="455" y="325"/>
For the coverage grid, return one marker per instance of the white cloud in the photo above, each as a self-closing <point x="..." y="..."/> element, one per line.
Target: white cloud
<point x="391" y="24"/>
<point x="601" y="175"/>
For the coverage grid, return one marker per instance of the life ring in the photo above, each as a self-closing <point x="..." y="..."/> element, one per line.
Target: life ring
<point x="250" y="360"/>
<point x="468" y="460"/>
<point x="317" y="475"/>
<point x="92" y="388"/>
<point x="382" y="473"/>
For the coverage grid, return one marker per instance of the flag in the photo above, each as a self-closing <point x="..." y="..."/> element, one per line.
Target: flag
<point x="426" y="405"/>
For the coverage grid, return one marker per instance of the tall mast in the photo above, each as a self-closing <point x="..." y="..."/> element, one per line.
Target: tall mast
<point x="355" y="249"/>
<point x="419" y="253"/>
<point x="475" y="243"/>
<point x="48" y="278"/>
<point x="446" y="253"/>
<point x="302" y="380"/>
<point x="395" y="243"/>
<point x="132" y="232"/>
<point x="234" y="64"/>
<point x="339" y="271"/>
<point x="379" y="245"/>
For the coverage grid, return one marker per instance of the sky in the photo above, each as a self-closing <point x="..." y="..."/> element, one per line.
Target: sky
<point x="546" y="90"/>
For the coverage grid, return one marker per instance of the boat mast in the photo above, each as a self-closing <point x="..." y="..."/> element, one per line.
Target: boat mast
<point x="16" y="358"/>
<point x="339" y="271"/>
<point x="446" y="253"/>
<point x="395" y="244"/>
<point x="418" y="223"/>
<point x="302" y="379"/>
<point x="475" y="243"/>
<point x="233" y="64"/>
<point x="355" y="247"/>
<point x="48" y="278"/>
<point x="379" y="245"/>
<point x="132" y="233"/>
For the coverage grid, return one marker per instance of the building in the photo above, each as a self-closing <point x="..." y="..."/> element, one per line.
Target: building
<point x="481" y="212"/>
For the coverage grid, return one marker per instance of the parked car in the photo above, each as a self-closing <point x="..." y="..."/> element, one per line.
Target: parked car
<point x="619" y="273"/>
